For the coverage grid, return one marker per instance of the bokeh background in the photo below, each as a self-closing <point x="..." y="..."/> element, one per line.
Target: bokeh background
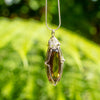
<point x="23" y="45"/>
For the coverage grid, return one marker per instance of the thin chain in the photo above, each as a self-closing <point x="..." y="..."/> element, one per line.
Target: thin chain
<point x="53" y="30"/>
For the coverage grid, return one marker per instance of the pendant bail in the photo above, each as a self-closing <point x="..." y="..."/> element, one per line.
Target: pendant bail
<point x="53" y="32"/>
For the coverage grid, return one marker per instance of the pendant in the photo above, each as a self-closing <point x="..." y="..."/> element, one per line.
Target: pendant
<point x="55" y="60"/>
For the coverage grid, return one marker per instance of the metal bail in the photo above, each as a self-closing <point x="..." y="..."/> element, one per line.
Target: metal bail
<point x="53" y="33"/>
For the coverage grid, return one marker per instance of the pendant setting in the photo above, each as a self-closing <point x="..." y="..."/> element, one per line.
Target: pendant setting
<point x="55" y="60"/>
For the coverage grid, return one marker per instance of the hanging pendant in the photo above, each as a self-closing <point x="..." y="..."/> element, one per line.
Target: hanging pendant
<point x="54" y="61"/>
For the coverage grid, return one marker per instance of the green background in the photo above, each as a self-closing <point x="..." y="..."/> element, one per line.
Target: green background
<point x="23" y="45"/>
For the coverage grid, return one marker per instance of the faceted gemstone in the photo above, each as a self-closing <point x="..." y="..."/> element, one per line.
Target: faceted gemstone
<point x="54" y="61"/>
<point x="54" y="68"/>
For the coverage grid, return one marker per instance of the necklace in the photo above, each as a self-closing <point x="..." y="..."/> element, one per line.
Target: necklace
<point x="54" y="61"/>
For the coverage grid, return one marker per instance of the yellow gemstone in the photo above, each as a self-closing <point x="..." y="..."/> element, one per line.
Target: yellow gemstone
<point x="54" y="61"/>
<point x="54" y="68"/>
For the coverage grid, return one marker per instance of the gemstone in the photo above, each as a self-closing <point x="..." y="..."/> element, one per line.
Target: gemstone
<point x="54" y="68"/>
<point x="54" y="61"/>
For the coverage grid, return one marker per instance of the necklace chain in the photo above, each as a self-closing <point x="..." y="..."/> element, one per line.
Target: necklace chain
<point x="53" y="30"/>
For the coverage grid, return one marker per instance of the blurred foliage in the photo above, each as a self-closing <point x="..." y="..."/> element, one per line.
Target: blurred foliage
<point x="23" y="45"/>
<point x="82" y="17"/>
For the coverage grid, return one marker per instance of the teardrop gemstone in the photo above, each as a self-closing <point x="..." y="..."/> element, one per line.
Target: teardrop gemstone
<point x="54" y="69"/>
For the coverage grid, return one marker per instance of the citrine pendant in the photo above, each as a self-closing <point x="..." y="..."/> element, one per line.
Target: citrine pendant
<point x="54" y="61"/>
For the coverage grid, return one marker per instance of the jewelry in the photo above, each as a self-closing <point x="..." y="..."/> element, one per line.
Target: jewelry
<point x="55" y="60"/>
